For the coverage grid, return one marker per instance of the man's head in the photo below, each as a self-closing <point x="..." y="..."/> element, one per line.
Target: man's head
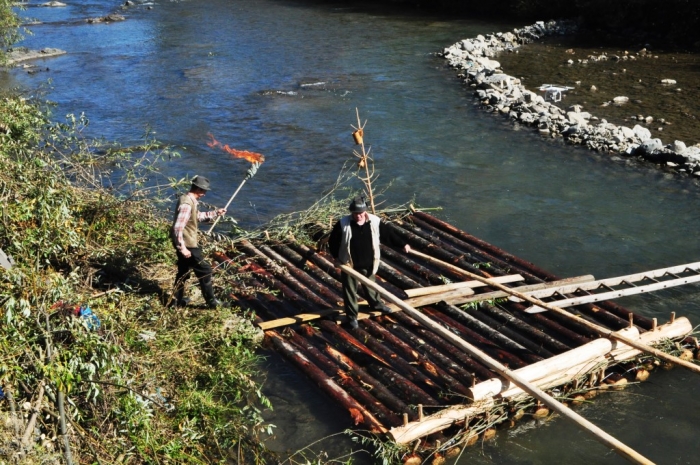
<point x="358" y="205"/>
<point x="358" y="208"/>
<point x="200" y="185"/>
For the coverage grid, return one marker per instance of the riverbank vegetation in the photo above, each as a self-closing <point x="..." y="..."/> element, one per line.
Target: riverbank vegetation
<point x="130" y="380"/>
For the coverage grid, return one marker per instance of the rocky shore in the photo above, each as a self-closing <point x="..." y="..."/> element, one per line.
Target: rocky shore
<point x="503" y="94"/>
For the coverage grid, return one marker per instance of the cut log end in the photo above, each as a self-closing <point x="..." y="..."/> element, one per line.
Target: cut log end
<point x="489" y="434"/>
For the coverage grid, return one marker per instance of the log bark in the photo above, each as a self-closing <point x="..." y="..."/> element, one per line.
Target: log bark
<point x="357" y="412"/>
<point x="523" y="265"/>
<point x="356" y="390"/>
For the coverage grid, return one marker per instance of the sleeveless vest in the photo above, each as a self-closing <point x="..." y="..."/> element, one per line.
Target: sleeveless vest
<point x="344" y="253"/>
<point x="189" y="233"/>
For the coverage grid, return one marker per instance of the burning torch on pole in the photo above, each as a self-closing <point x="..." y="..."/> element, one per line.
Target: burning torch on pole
<point x="255" y="159"/>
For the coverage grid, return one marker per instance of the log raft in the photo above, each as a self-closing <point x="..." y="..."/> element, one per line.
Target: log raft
<point x="396" y="376"/>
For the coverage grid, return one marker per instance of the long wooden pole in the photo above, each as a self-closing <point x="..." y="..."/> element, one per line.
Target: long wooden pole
<point x="605" y="332"/>
<point x="227" y="204"/>
<point x="620" y="448"/>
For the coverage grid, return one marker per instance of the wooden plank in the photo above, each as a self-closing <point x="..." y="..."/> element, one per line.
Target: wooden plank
<point x="523" y="289"/>
<point x="585" y="299"/>
<point x="511" y="278"/>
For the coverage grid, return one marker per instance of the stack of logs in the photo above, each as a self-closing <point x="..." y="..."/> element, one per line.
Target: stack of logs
<point x="394" y="375"/>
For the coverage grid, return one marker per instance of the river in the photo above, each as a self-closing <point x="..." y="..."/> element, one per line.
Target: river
<point x="284" y="78"/>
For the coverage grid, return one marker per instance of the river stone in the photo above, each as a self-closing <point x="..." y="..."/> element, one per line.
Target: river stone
<point x="488" y="63"/>
<point x="627" y="132"/>
<point x="642" y="133"/>
<point x="650" y="146"/>
<point x="668" y="82"/>
<point x="679" y="146"/>
<point x="502" y="80"/>
<point x="621" y="99"/>
<point x="692" y="153"/>
<point x="577" y="118"/>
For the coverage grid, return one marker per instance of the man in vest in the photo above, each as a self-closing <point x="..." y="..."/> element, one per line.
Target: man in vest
<point x="183" y="234"/>
<point x="355" y="241"/>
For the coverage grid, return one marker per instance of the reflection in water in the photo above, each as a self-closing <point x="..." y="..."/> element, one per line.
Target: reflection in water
<point x="245" y="70"/>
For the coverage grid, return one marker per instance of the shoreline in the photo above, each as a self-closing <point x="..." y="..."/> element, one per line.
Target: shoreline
<point x="504" y="94"/>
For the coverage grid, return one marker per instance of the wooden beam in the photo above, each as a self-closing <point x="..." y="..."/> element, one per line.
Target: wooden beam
<point x="524" y="289"/>
<point x="600" y="435"/>
<point x="511" y="278"/>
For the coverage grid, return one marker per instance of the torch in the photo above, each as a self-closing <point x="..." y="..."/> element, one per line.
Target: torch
<point x="255" y="159"/>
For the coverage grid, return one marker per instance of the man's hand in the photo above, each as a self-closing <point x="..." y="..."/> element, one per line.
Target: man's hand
<point x="185" y="252"/>
<point x="407" y="248"/>
<point x="221" y="212"/>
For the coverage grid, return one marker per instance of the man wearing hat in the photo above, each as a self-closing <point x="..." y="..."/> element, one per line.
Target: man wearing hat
<point x="183" y="234"/>
<point x="354" y="241"/>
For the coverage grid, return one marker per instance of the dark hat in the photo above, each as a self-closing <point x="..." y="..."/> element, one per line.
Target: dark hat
<point x="201" y="182"/>
<point x="358" y="205"/>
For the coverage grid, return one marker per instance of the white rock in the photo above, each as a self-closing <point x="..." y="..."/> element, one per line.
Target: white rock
<point x="627" y="132"/>
<point x="621" y="99"/>
<point x="668" y="82"/>
<point x="641" y="132"/>
<point x="679" y="146"/>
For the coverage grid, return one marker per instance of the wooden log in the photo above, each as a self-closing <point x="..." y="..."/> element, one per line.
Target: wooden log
<point x="483" y="245"/>
<point x="427" y="275"/>
<point x="533" y="345"/>
<point x="356" y="390"/>
<point x="402" y="367"/>
<point x="534" y="391"/>
<point x="358" y="413"/>
<point x="310" y="265"/>
<point x="484" y="344"/>
<point x="318" y="258"/>
<point x="378" y="389"/>
<point x="479" y="370"/>
<point x="679" y="328"/>
<point x="324" y="293"/>
<point x="524" y="265"/>
<point x="455" y="257"/>
<point x="528" y="329"/>
<point x="455" y="369"/>
<point x="430" y="370"/>
<point x="495" y="334"/>
<point x="593" y="351"/>
<point x="476" y="252"/>
<point x="511" y="278"/>
<point x="418" y="429"/>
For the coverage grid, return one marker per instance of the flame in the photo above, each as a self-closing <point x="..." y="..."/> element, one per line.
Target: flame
<point x="250" y="156"/>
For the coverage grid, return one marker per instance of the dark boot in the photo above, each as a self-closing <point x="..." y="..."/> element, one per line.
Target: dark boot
<point x="208" y="293"/>
<point x="179" y="299"/>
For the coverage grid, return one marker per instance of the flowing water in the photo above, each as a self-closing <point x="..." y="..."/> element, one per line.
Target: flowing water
<point x="284" y="78"/>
